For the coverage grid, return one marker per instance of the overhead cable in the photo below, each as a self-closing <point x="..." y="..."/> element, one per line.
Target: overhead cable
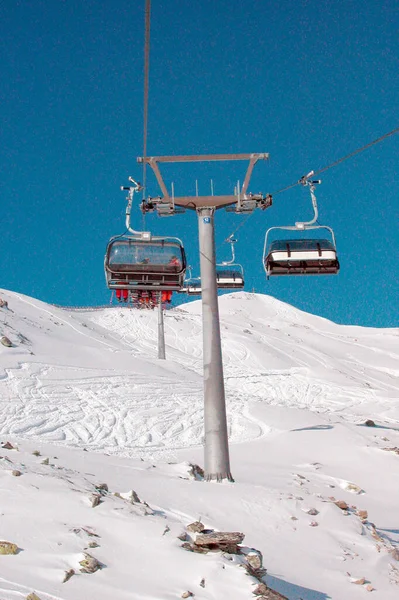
<point x="146" y="87"/>
<point x="330" y="166"/>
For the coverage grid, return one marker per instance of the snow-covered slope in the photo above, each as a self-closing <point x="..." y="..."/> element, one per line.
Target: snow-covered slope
<point x="299" y="389"/>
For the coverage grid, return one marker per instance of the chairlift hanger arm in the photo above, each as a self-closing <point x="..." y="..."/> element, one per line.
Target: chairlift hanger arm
<point x="305" y="180"/>
<point x="230" y="240"/>
<point x="136" y="187"/>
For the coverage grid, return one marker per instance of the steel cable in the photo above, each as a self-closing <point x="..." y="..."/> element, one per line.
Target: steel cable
<point x="322" y="170"/>
<point x="146" y="89"/>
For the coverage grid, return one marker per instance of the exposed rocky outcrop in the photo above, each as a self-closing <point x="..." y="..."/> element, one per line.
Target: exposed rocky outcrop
<point x="200" y="540"/>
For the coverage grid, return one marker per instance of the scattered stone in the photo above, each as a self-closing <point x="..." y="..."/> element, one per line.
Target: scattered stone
<point x="362" y="514"/>
<point x="370" y="588"/>
<point x="196" y="471"/>
<point x="254" y="563"/>
<point x="271" y="595"/>
<point x="187" y="594"/>
<point x="68" y="575"/>
<point x="358" y="581"/>
<point x="6" y="341"/>
<point x="219" y="541"/>
<point x="102" y="487"/>
<point x="147" y="509"/>
<point x="394" y="553"/>
<point x="312" y="511"/>
<point x="193" y="548"/>
<point x="16" y="473"/>
<point x="353" y="488"/>
<point x="33" y="596"/>
<point x="166" y="530"/>
<point x="89" y="532"/>
<point x="36" y="453"/>
<point x="219" y="538"/>
<point x="261" y="589"/>
<point x="313" y="524"/>
<point x="89" y="564"/>
<point x="3" y="303"/>
<point x="196" y="527"/>
<point x="375" y="534"/>
<point x="293" y="518"/>
<point x="202" y="582"/>
<point x="395" y="450"/>
<point x="8" y="548"/>
<point x="369" y="423"/>
<point x="95" y="500"/>
<point x="254" y="559"/>
<point x="134" y="498"/>
<point x="341" y="504"/>
<point x="183" y="536"/>
<point x="46" y="461"/>
<point x="94" y="545"/>
<point x="8" y="446"/>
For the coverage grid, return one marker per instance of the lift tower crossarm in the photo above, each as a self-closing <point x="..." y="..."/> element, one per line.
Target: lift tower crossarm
<point x="204" y="157"/>
<point x="195" y="202"/>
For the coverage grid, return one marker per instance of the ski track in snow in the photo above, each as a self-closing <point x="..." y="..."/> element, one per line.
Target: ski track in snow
<point x="134" y="412"/>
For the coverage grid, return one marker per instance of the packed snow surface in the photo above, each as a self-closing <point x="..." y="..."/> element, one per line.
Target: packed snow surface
<point x="84" y="388"/>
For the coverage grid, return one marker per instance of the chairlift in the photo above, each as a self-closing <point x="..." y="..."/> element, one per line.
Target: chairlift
<point x="229" y="274"/>
<point x="192" y="285"/>
<point x="306" y="256"/>
<point x="139" y="261"/>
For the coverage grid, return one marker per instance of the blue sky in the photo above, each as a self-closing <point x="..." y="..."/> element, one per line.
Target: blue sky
<point x="307" y="82"/>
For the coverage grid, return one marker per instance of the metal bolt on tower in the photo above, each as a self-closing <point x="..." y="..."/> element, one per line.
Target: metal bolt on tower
<point x="217" y="462"/>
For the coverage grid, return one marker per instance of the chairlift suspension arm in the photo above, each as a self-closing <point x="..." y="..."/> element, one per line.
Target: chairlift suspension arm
<point x="136" y="187"/>
<point x="230" y="240"/>
<point x="312" y="186"/>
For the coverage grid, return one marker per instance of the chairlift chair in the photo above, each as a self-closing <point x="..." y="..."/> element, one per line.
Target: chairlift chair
<point x="229" y="274"/>
<point x="132" y="263"/>
<point x="192" y="285"/>
<point x="139" y="261"/>
<point x="306" y="256"/>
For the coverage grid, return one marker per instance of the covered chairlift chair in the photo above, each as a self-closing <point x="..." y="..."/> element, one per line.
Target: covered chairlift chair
<point x="306" y="256"/>
<point x="139" y="261"/>
<point x="229" y="274"/>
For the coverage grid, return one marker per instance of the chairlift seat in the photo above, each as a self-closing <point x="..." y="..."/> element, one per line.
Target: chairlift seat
<point x="229" y="279"/>
<point x="193" y="288"/>
<point x="135" y="264"/>
<point x="301" y="257"/>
